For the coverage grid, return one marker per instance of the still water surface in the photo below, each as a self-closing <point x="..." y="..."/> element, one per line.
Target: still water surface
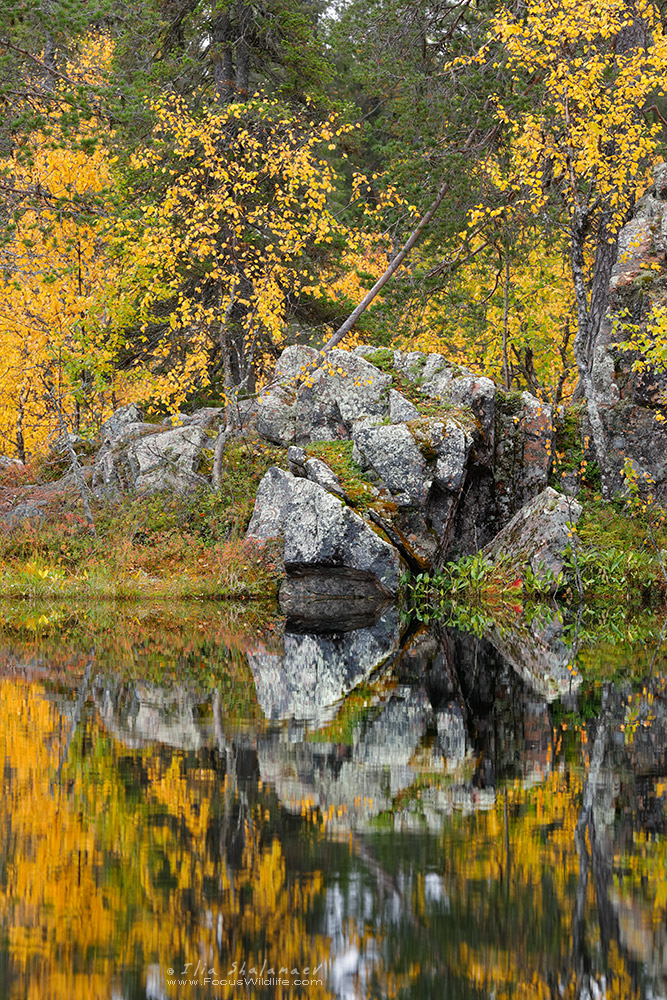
<point x="193" y="809"/>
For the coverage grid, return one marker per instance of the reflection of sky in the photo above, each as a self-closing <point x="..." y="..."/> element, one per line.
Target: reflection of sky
<point x="355" y="953"/>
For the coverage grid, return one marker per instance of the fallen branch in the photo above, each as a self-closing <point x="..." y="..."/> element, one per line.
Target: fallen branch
<point x="341" y="332"/>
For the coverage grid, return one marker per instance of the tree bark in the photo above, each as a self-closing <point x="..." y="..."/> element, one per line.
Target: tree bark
<point x="506" y="312"/>
<point x="243" y="50"/>
<point x="20" y="440"/>
<point x="341" y="332"/>
<point x="223" y="60"/>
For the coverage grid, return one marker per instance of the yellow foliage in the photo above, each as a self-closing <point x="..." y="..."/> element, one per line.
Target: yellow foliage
<point x="229" y="241"/>
<point x="64" y="290"/>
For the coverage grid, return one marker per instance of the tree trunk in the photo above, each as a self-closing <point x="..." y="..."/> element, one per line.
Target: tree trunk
<point x="223" y="61"/>
<point x="20" y="440"/>
<point x="341" y="332"/>
<point x="506" y="314"/>
<point x="243" y="50"/>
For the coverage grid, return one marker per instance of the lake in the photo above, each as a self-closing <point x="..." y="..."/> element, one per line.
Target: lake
<point x="199" y="803"/>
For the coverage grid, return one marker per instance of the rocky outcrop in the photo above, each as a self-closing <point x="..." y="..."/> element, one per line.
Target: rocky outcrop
<point x="315" y="397"/>
<point x="538" y="536"/>
<point x="444" y="458"/>
<point x="137" y="456"/>
<point x="318" y="531"/>
<point x="633" y="403"/>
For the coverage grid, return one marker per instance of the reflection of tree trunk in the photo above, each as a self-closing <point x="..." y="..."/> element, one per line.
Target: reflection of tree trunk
<point x="76" y="715"/>
<point x="580" y="958"/>
<point x="602" y="875"/>
<point x="598" y="860"/>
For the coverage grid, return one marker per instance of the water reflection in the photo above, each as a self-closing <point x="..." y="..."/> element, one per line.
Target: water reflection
<point x="179" y="794"/>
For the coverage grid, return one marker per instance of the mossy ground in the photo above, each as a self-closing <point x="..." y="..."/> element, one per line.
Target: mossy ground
<point x="167" y="545"/>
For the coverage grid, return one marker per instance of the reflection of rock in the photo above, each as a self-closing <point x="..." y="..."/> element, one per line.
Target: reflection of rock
<point x="540" y="658"/>
<point x="354" y="782"/>
<point x="391" y="739"/>
<point x="314" y="672"/>
<point x="645" y="940"/>
<point x="451" y="733"/>
<point x="320" y="600"/>
<point x="145" y="713"/>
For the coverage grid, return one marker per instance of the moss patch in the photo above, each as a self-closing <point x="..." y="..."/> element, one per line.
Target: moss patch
<point x="338" y="456"/>
<point x="428" y="406"/>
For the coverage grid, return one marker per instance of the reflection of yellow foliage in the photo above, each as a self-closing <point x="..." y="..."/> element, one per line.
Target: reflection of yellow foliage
<point x="93" y="872"/>
<point x="124" y="863"/>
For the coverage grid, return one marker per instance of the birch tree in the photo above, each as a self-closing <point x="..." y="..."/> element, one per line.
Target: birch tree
<point x="585" y="139"/>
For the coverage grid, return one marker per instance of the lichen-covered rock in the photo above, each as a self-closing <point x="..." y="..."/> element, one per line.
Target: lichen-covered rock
<point x="392" y="453"/>
<point x="479" y="395"/>
<point x="319" y="398"/>
<point x="168" y="460"/>
<point x="137" y="456"/>
<point x="319" y="531"/>
<point x="524" y="430"/>
<point x="401" y="410"/>
<point x="633" y="403"/>
<point x="319" y="472"/>
<point x="27" y="510"/>
<point x="453" y="449"/>
<point x="276" y="406"/>
<point x="120" y="423"/>
<point x="538" y="535"/>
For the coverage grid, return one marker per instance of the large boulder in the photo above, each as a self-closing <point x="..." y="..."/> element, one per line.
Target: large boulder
<point x="524" y="428"/>
<point x="392" y="453"/>
<point x="144" y="457"/>
<point x="319" y="531"/>
<point x="315" y="397"/>
<point x="168" y="460"/>
<point x="538" y="536"/>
